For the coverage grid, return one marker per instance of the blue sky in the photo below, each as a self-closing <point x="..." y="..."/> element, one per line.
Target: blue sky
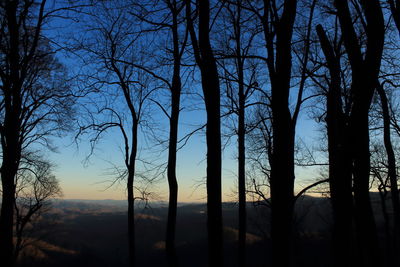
<point x="89" y="181"/>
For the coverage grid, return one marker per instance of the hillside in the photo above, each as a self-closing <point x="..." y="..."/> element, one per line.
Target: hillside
<point x="93" y="233"/>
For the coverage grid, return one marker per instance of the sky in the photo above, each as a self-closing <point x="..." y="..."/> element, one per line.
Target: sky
<point x="91" y="179"/>
<point x="82" y="179"/>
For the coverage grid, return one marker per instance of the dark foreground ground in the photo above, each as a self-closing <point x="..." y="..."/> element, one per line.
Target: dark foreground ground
<point x="94" y="234"/>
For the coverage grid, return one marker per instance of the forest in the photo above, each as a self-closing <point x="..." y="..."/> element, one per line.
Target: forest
<point x="256" y="72"/>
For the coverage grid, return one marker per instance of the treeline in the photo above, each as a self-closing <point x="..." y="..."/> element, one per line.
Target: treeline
<point x="91" y="67"/>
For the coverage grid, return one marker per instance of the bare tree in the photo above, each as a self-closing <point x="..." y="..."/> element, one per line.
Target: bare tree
<point x="278" y="21"/>
<point x="392" y="169"/>
<point x="36" y="99"/>
<point x="395" y="10"/>
<point x="282" y="158"/>
<point x="339" y="159"/>
<point x="240" y="73"/>
<point x="349" y="154"/>
<point x="167" y="18"/>
<point x="114" y="53"/>
<point x="384" y="167"/>
<point x="36" y="186"/>
<point x="205" y="60"/>
<point x="365" y="71"/>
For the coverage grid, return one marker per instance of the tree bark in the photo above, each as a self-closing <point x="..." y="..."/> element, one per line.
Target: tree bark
<point x="364" y="81"/>
<point x="172" y="183"/>
<point x="210" y="83"/>
<point x="7" y="214"/>
<point x="242" y="171"/>
<point x="131" y="195"/>
<point x="173" y="140"/>
<point x="241" y="141"/>
<point x="394" y="190"/>
<point x="211" y="90"/>
<point x="283" y="131"/>
<point x="339" y="162"/>
<point x="395" y="9"/>
<point x="10" y="136"/>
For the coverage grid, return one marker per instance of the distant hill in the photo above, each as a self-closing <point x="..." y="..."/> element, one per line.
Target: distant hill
<point x="94" y="233"/>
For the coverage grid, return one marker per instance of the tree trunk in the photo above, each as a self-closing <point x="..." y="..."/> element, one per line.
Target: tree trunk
<point x="389" y="252"/>
<point x="213" y="134"/>
<point x="173" y="185"/>
<point x="282" y="184"/>
<point x="7" y="215"/>
<point x="283" y="132"/>
<point x="339" y="162"/>
<point x="11" y="158"/>
<point x="10" y="136"/>
<point x="211" y="90"/>
<point x="282" y="173"/>
<point x="242" y="172"/>
<point x="131" y="196"/>
<point x="366" y="227"/>
<point x="365" y="71"/>
<point x="241" y="142"/>
<point x="394" y="190"/>
<point x="131" y="221"/>
<point x="173" y="139"/>
<point x="395" y="9"/>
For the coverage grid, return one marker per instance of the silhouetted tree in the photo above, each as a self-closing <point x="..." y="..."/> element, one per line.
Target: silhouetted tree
<point x="348" y="125"/>
<point x="240" y="77"/>
<point x="175" y="8"/>
<point x="166" y="19"/>
<point x="340" y="178"/>
<point x="36" y="186"/>
<point x="387" y="117"/>
<point x="391" y="163"/>
<point x="278" y="20"/>
<point x="114" y="53"/>
<point x="283" y="131"/>
<point x="35" y="101"/>
<point x="365" y="70"/>
<point x="395" y="10"/>
<point x="381" y="181"/>
<point x="206" y="62"/>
